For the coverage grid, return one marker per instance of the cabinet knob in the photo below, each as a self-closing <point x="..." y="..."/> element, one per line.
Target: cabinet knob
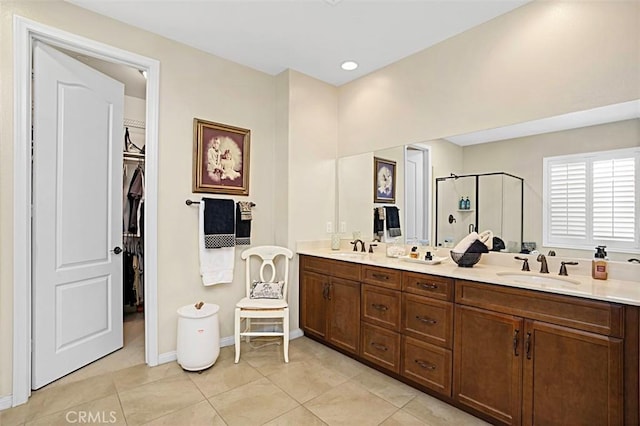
<point x="527" y="346"/>
<point x="515" y="342"/>
<point x="380" y="307"/>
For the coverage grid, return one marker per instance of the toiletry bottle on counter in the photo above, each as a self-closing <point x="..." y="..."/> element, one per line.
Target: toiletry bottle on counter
<point x="461" y="204"/>
<point x="414" y="252"/>
<point x="467" y="204"/>
<point x="599" y="265"/>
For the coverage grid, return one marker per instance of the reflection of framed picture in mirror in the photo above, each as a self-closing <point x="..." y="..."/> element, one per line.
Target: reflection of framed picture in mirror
<point x="220" y="158"/>
<point x="384" y="181"/>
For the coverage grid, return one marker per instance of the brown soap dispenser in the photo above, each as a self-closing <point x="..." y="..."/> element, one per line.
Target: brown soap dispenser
<point x="599" y="265"/>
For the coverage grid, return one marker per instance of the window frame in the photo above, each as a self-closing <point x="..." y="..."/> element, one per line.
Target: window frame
<point x="588" y="242"/>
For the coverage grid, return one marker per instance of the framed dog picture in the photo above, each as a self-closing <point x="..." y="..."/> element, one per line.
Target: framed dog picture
<point x="220" y="158"/>
<point x="384" y="181"/>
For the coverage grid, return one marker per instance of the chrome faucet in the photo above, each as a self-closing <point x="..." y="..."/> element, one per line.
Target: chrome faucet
<point x="355" y="245"/>
<point x="544" y="269"/>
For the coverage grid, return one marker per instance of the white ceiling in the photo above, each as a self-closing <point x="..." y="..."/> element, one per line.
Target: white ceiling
<point x="315" y="36"/>
<point x="310" y="36"/>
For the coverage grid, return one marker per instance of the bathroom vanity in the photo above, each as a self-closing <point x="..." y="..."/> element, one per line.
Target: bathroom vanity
<point x="506" y="347"/>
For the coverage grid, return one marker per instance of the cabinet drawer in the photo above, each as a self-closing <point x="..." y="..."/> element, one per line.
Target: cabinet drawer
<point x="428" y="285"/>
<point x="428" y="319"/>
<point x="346" y="270"/>
<point x="381" y="306"/>
<point x="335" y="268"/>
<point x="384" y="277"/>
<point x="582" y="314"/>
<point x="427" y="364"/>
<point x="381" y="346"/>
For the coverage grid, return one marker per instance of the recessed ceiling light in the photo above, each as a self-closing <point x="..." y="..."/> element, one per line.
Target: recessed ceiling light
<point x="349" y="65"/>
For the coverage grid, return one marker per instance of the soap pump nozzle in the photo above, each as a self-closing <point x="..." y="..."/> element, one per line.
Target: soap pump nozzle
<point x="600" y="252"/>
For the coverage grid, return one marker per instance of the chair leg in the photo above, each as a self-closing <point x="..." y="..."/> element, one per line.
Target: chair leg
<point x="285" y="337"/>
<point x="247" y="322"/>
<point x="236" y="334"/>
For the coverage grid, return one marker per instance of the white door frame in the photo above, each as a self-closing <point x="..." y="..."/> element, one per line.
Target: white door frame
<point x="25" y="31"/>
<point x="427" y="189"/>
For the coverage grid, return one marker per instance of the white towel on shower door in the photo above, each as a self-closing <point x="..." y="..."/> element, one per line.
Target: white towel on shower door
<point x="216" y="265"/>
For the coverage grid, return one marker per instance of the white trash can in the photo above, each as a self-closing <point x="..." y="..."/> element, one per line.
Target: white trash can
<point x="198" y="344"/>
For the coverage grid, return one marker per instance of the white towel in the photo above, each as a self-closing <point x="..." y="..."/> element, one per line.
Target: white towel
<point x="216" y="265"/>
<point x="487" y="238"/>
<point x="465" y="243"/>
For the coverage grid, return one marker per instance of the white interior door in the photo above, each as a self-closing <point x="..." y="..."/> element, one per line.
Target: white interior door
<point x="77" y="205"/>
<point x="414" y="195"/>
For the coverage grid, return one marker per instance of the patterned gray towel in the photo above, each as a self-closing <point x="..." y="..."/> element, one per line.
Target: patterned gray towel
<point x="393" y="221"/>
<point x="245" y="210"/>
<point x="243" y="226"/>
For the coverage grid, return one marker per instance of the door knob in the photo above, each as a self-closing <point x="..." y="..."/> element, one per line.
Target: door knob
<point x="116" y="250"/>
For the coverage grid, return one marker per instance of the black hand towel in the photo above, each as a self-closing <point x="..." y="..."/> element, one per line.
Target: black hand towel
<point x="393" y="221"/>
<point x="378" y="224"/>
<point x="477" y="247"/>
<point x="243" y="226"/>
<point x="219" y="223"/>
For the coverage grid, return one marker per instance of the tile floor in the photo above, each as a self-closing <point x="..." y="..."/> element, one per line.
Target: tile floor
<point x="318" y="386"/>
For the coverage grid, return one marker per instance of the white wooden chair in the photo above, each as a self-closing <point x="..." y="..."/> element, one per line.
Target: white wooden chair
<point x="276" y="309"/>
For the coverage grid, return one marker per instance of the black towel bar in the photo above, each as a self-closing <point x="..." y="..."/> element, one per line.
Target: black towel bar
<point x="190" y="202"/>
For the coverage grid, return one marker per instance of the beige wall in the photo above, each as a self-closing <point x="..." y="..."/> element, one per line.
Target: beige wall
<point x="192" y="84"/>
<point x="313" y="135"/>
<point x="523" y="157"/>
<point x="542" y="59"/>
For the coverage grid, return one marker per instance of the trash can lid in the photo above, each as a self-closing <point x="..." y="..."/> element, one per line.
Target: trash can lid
<point x="190" y="311"/>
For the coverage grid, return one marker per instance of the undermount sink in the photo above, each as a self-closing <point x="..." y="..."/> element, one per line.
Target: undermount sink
<point x="529" y="278"/>
<point x="349" y="254"/>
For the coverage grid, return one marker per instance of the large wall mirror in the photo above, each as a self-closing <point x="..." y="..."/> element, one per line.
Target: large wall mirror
<point x="517" y="150"/>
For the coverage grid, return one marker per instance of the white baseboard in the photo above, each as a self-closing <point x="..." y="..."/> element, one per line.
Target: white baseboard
<point x="167" y="357"/>
<point x="225" y="341"/>
<point x="6" y="402"/>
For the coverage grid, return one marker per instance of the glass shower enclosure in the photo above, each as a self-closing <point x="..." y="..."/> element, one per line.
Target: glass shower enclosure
<point x="495" y="202"/>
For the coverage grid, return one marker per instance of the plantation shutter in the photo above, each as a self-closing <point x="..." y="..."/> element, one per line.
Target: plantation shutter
<point x="592" y="199"/>
<point x="568" y="200"/>
<point x="614" y="201"/>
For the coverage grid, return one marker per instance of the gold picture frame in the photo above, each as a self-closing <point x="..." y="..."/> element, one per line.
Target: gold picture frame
<point x="220" y="158"/>
<point x="384" y="181"/>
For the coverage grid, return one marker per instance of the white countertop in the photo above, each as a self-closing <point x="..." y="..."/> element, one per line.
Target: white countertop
<point x="580" y="284"/>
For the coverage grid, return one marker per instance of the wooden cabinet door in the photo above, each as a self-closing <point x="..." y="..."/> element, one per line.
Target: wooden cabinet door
<point x="571" y="377"/>
<point x="314" y="289"/>
<point x="344" y="314"/>
<point x="488" y="362"/>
